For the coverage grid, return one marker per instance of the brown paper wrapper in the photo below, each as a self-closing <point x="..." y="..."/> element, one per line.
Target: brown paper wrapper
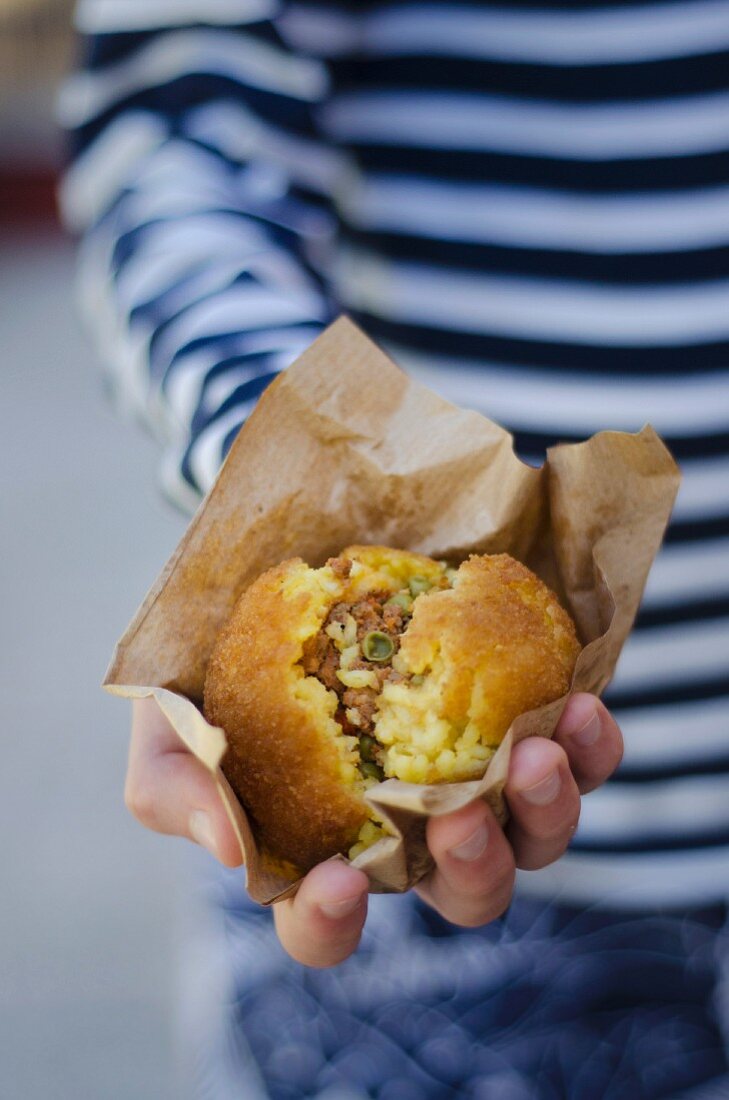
<point x="344" y="448"/>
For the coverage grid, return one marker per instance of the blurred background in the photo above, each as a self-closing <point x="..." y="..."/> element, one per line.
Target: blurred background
<point x="94" y="908"/>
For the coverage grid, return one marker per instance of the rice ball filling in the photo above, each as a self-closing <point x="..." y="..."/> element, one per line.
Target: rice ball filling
<point x="354" y="654"/>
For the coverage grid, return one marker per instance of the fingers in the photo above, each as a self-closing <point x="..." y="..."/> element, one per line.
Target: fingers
<point x="322" y="925"/>
<point x="544" y="802"/>
<point x="474" y="875"/>
<point x="592" y="740"/>
<point x="169" y="791"/>
<point x="547" y="777"/>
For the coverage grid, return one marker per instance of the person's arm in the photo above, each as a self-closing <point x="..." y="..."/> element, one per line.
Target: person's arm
<point x="197" y="279"/>
<point x="194" y="183"/>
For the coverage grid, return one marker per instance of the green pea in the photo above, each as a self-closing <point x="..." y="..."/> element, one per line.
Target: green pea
<point x="417" y="680"/>
<point x="418" y="585"/>
<point x="371" y="771"/>
<point x="403" y="600"/>
<point x="367" y="746"/>
<point x="377" y="646"/>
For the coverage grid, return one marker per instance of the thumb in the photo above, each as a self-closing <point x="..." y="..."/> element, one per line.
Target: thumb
<point x="169" y="791"/>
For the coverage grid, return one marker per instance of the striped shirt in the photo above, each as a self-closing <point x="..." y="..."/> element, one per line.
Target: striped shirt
<point x="528" y="206"/>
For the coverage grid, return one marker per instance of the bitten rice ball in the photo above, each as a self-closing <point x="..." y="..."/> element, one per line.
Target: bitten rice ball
<point x="382" y="664"/>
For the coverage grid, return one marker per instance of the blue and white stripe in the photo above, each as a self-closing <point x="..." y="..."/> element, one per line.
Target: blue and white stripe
<point x="528" y="206"/>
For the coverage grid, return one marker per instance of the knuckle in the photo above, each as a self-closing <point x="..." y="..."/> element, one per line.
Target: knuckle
<point x="439" y="830"/>
<point x="495" y="873"/>
<point x="534" y="858"/>
<point x="490" y="908"/>
<point x="475" y="887"/>
<point x="538" y="849"/>
<point x="548" y="851"/>
<point x="141" y="802"/>
<point x="599" y="773"/>
<point x="500" y="899"/>
<point x="559" y="831"/>
<point x="316" y="952"/>
<point x="490" y="897"/>
<point x="331" y="955"/>
<point x="508" y="879"/>
<point x="618" y="752"/>
<point x="550" y="822"/>
<point x="503" y="880"/>
<point x="503" y="902"/>
<point x="614" y="738"/>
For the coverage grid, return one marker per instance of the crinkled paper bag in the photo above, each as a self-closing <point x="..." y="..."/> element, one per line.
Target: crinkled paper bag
<point x="344" y="448"/>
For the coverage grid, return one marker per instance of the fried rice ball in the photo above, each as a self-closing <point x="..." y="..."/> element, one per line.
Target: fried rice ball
<point x="382" y="664"/>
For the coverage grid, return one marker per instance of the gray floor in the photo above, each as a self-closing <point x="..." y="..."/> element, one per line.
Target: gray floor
<point x="90" y="911"/>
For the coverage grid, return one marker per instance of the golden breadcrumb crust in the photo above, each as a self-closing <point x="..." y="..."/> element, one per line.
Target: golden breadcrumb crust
<point x="501" y="628"/>
<point x="282" y="763"/>
<point x="495" y="645"/>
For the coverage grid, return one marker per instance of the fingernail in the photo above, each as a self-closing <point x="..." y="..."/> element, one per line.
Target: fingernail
<point x="473" y="846"/>
<point x="336" y="910"/>
<point x="543" y="792"/>
<point x="589" y="733"/>
<point x="201" y="831"/>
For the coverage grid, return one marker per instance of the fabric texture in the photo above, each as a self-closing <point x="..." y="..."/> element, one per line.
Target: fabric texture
<point x="548" y="1003"/>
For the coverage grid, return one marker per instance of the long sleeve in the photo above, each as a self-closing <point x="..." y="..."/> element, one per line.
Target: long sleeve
<point x="197" y="185"/>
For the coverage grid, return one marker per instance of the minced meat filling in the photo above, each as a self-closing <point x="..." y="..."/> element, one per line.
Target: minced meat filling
<point x="349" y="632"/>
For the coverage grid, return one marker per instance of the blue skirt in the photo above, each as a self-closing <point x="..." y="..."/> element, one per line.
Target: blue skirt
<point x="548" y="1003"/>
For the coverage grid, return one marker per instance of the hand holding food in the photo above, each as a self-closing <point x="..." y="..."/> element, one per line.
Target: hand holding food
<point x="170" y="791"/>
<point x="439" y="649"/>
